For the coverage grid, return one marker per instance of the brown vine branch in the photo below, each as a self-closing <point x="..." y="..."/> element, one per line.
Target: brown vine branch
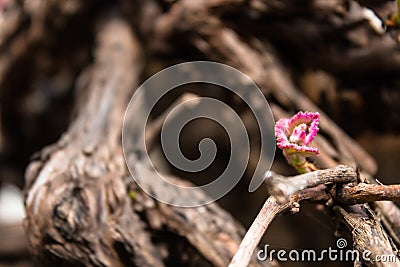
<point x="286" y="191"/>
<point x="368" y="235"/>
<point x="365" y="193"/>
<point x="289" y="191"/>
<point x="285" y="188"/>
<point x="282" y="188"/>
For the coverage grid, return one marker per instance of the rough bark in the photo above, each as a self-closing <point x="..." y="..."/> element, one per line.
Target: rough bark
<point x="79" y="209"/>
<point x="82" y="206"/>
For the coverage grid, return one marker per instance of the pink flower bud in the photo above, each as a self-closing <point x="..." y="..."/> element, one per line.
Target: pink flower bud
<point x="295" y="134"/>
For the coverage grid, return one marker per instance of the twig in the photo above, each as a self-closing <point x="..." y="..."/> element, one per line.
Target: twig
<point x="288" y="190"/>
<point x="282" y="188"/>
<point x="273" y="208"/>
<point x="267" y="213"/>
<point x="318" y="193"/>
<point x="364" y="193"/>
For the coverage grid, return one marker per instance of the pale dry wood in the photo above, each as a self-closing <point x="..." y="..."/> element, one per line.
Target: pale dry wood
<point x="87" y="215"/>
<point x="258" y="61"/>
<point x="282" y="188"/>
<point x="268" y="212"/>
<point x="209" y="34"/>
<point x="348" y="190"/>
<point x="78" y="209"/>
<point x="369" y="235"/>
<point x="389" y="212"/>
<point x="390" y="215"/>
<point x="209" y="229"/>
<point x="288" y="191"/>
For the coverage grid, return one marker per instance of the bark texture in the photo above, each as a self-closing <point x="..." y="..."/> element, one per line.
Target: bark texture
<point x="67" y="72"/>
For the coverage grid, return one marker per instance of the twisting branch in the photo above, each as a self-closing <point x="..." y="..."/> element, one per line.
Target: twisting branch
<point x="267" y="213"/>
<point x="282" y="188"/>
<point x="288" y="191"/>
<point x="76" y="189"/>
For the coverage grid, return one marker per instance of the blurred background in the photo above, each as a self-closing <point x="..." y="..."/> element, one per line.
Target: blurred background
<point x="342" y="55"/>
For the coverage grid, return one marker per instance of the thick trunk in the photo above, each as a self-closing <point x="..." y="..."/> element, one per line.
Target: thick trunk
<point x="82" y="206"/>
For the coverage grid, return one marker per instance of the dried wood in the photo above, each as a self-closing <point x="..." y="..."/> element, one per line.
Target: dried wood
<point x="82" y="207"/>
<point x="369" y="235"/>
<point x="78" y="205"/>
<point x="78" y="209"/>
